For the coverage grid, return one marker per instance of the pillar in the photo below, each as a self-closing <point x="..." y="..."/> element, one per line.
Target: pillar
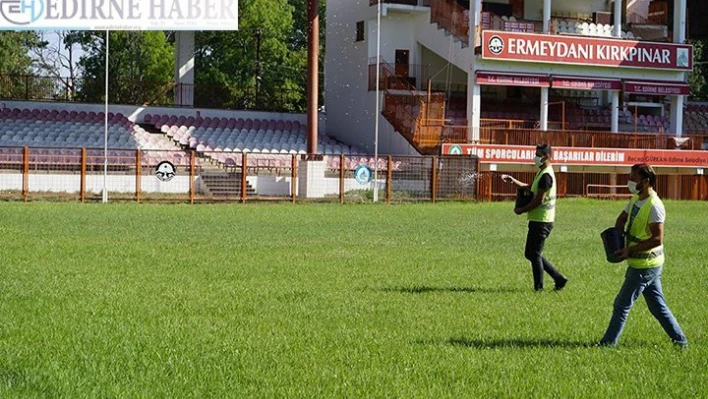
<point x="677" y="114"/>
<point x="184" y="68"/>
<point x="544" y="108"/>
<point x="615" y="110"/>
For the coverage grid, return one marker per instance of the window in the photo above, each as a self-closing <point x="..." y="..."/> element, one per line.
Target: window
<point x="360" y="31"/>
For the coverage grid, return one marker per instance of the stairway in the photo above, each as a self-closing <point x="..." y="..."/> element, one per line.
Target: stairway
<point x="224" y="184"/>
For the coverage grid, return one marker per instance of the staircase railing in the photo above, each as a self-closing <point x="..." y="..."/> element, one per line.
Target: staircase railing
<point x="416" y="115"/>
<point x="452" y="17"/>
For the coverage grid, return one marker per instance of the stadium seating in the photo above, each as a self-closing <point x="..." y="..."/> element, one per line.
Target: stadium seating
<point x="60" y="134"/>
<point x="223" y="139"/>
<point x="695" y="119"/>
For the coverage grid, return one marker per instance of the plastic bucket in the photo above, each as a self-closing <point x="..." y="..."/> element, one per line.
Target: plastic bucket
<point x="523" y="197"/>
<point x="612" y="240"/>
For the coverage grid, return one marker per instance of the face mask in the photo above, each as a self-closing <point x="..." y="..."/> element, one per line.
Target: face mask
<point x="538" y="161"/>
<point x="632" y="186"/>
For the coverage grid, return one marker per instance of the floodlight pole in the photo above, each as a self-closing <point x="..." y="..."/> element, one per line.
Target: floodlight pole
<point x="105" y="127"/>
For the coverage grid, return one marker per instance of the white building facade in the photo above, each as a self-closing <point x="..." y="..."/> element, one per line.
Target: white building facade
<point x="526" y="52"/>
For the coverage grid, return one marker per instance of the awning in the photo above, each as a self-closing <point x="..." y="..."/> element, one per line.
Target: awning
<point x="583" y="83"/>
<point x="513" y="79"/>
<point x="657" y="88"/>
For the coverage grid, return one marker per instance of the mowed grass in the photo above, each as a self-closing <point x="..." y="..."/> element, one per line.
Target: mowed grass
<point x="360" y="301"/>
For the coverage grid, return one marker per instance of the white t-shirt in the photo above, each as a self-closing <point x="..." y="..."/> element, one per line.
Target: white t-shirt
<point x="657" y="213"/>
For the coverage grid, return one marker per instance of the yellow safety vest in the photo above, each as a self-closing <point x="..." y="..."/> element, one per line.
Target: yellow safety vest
<point x="546" y="212"/>
<point x="637" y="232"/>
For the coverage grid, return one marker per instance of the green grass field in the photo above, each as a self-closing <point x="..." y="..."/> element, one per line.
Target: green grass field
<point x="359" y="301"/>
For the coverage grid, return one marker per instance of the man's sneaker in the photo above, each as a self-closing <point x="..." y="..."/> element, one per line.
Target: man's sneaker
<point x="681" y="345"/>
<point x="560" y="283"/>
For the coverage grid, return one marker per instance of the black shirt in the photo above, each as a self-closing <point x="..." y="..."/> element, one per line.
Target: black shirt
<point x="546" y="182"/>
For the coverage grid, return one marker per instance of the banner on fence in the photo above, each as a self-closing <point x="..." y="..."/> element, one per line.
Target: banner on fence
<point x="508" y="154"/>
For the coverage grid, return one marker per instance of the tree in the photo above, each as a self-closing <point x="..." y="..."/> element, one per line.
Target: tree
<point x="16" y="64"/>
<point x="258" y="66"/>
<point x="56" y="57"/>
<point x="698" y="77"/>
<point x="141" y="67"/>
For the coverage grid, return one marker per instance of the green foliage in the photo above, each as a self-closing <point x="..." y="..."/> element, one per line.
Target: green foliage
<point x="16" y="64"/>
<point x="270" y="44"/>
<point x="307" y="301"/>
<point x="141" y="67"/>
<point x="697" y="78"/>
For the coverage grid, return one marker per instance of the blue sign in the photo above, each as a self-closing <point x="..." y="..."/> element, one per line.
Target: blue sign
<point x="363" y="174"/>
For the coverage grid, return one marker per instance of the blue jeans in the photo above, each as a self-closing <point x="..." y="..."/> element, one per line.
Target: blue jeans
<point x="648" y="282"/>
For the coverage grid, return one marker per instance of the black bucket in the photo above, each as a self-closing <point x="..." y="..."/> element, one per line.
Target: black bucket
<point x="523" y="197"/>
<point x="612" y="240"/>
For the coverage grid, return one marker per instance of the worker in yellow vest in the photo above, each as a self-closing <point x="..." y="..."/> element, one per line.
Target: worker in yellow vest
<point x="644" y="221"/>
<point x="541" y="215"/>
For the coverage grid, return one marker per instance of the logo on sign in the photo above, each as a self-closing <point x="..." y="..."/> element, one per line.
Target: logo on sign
<point x="362" y="174"/>
<point x="21" y="12"/>
<point x="165" y="171"/>
<point x="455" y="150"/>
<point x="682" y="57"/>
<point x="496" y="45"/>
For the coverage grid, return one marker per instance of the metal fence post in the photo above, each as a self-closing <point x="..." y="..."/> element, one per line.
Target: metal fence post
<point x="191" y="177"/>
<point x="341" y="178"/>
<point x="434" y="177"/>
<point x="138" y="173"/>
<point x="293" y="181"/>
<point x="389" y="179"/>
<point x="83" y="175"/>
<point x="244" y="168"/>
<point x="25" y="173"/>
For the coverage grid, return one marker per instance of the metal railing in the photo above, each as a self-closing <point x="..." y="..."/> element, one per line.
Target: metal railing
<point x="452" y="17"/>
<point x="593" y="185"/>
<point x="397" y="76"/>
<point x="76" y="174"/>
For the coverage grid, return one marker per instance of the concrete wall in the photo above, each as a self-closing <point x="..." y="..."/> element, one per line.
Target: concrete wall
<point x="351" y="107"/>
<point x="271" y="186"/>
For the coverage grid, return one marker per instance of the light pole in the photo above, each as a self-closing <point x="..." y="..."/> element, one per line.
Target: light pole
<point x="378" y="100"/>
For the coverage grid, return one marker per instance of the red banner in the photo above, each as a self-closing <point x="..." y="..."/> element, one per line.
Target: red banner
<point x="579" y="83"/>
<point x="516" y="154"/>
<point x="512" y="79"/>
<point x="657" y="88"/>
<point x="578" y="50"/>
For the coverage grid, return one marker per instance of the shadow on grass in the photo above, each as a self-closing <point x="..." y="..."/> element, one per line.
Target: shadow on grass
<point x="518" y="343"/>
<point x="424" y="289"/>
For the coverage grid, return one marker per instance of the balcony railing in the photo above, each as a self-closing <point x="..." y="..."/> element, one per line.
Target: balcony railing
<point x="403" y="76"/>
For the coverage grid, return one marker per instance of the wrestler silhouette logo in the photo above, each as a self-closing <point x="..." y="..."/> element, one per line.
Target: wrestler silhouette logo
<point x="496" y="45"/>
<point x="165" y="171"/>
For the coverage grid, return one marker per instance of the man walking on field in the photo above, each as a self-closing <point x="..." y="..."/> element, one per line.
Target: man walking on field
<point x="644" y="220"/>
<point x="541" y="215"/>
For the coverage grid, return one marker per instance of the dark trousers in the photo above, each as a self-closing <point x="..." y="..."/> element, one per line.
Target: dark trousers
<point x="536" y="238"/>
